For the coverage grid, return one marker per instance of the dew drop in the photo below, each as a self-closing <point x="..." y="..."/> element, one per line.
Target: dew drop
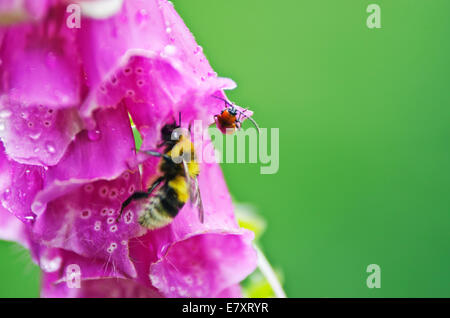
<point x="29" y="218"/>
<point x="50" y="265"/>
<point x="50" y="148"/>
<point x="94" y="135"/>
<point x="170" y="49"/>
<point x="35" y="136"/>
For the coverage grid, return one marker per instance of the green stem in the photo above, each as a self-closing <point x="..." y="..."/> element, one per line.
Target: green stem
<point x="268" y="272"/>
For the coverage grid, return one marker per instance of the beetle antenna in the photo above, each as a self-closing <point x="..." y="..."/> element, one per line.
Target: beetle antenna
<point x="224" y="100"/>
<point x="249" y="118"/>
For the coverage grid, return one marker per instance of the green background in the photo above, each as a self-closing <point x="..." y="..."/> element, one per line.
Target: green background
<point x="364" y="140"/>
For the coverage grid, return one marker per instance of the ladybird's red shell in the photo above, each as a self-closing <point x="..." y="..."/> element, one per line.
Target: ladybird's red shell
<point x="224" y="126"/>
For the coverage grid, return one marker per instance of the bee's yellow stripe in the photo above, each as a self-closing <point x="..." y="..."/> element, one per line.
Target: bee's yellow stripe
<point x="180" y="186"/>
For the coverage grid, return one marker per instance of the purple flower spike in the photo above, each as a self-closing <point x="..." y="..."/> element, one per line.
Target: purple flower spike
<point x="68" y="160"/>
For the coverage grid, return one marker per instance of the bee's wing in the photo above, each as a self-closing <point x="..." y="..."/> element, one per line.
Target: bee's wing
<point x="198" y="201"/>
<point x="194" y="192"/>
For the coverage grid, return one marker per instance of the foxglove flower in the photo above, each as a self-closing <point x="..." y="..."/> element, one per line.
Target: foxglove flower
<point x="68" y="158"/>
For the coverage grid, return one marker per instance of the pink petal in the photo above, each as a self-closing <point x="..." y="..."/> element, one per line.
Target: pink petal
<point x="191" y="259"/>
<point x="19" y="184"/>
<point x="231" y="292"/>
<point x="103" y="153"/>
<point x="41" y="86"/>
<point x="37" y="135"/>
<point x="97" y="278"/>
<point x="101" y="288"/>
<point x="11" y="229"/>
<point x="146" y="55"/>
<point x="86" y="222"/>
<point x="203" y="265"/>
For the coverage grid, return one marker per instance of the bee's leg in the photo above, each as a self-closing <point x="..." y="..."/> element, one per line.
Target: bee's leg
<point x="157" y="154"/>
<point x="139" y="195"/>
<point x="154" y="185"/>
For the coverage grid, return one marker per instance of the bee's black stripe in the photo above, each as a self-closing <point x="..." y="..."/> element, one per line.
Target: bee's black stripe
<point x="171" y="207"/>
<point x="169" y="201"/>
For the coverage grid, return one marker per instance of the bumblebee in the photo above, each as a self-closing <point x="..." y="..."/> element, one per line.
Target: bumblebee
<point x="177" y="184"/>
<point x="230" y="118"/>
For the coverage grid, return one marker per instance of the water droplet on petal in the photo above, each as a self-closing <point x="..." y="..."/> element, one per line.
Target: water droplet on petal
<point x="35" y="136"/>
<point x="170" y="49"/>
<point x="50" y="265"/>
<point x="50" y="147"/>
<point x="94" y="135"/>
<point x="29" y="218"/>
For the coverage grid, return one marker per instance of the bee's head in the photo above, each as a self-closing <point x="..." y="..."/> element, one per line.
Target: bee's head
<point x="167" y="131"/>
<point x="171" y="133"/>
